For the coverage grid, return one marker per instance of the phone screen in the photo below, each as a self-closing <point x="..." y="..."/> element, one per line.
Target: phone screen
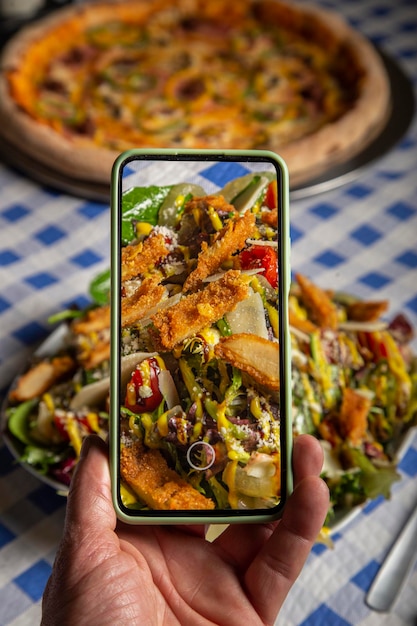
<point x="200" y="366"/>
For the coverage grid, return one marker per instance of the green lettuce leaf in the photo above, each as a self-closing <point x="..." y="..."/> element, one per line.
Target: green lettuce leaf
<point x="141" y="204"/>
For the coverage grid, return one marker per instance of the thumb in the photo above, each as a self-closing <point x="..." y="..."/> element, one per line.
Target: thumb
<point x="90" y="507"/>
<point x="89" y="523"/>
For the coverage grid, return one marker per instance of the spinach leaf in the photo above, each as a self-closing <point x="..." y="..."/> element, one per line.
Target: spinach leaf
<point x="18" y="422"/>
<point x="141" y="204"/>
<point x="99" y="288"/>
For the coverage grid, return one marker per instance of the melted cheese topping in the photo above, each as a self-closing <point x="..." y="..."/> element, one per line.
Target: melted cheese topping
<point x="188" y="75"/>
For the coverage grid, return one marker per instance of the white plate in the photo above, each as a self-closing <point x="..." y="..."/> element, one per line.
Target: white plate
<point x="49" y="347"/>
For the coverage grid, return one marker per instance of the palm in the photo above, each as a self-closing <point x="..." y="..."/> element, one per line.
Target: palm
<point x="167" y="576"/>
<point x="187" y="580"/>
<point x="196" y="582"/>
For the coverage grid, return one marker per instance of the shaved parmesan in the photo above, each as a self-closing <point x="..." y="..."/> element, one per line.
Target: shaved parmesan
<point x="249" y="317"/>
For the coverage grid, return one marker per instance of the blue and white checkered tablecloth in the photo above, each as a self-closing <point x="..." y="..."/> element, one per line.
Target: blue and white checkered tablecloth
<point x="360" y="237"/>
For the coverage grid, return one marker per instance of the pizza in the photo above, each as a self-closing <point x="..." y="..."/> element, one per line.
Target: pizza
<point x="90" y="81"/>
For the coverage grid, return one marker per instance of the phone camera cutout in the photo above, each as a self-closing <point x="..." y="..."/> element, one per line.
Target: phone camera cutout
<point x="201" y="455"/>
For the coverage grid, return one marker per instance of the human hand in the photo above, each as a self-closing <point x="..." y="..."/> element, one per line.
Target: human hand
<point x="110" y="573"/>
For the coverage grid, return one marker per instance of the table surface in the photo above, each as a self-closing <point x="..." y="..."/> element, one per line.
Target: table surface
<point x="360" y="237"/>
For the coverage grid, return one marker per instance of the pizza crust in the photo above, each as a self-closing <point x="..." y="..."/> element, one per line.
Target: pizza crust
<point x="78" y="161"/>
<point x="341" y="140"/>
<point x="306" y="158"/>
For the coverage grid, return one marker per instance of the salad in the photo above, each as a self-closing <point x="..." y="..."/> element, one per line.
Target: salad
<point x="200" y="411"/>
<point x="354" y="380"/>
<point x="354" y="388"/>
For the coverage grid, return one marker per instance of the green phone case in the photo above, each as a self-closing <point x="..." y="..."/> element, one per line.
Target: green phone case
<point x="219" y="418"/>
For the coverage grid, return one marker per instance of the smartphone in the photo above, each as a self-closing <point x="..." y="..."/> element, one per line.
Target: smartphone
<point x="200" y="356"/>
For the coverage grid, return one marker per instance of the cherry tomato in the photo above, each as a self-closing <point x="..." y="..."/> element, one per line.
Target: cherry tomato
<point x="261" y="257"/>
<point x="143" y="394"/>
<point x="375" y="344"/>
<point x="271" y="195"/>
<point x="61" y="420"/>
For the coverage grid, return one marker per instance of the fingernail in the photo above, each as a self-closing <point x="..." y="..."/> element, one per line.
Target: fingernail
<point x="85" y="447"/>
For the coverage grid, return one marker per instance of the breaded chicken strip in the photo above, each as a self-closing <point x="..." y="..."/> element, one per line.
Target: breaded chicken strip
<point x="304" y="325"/>
<point x="139" y="258"/>
<point x="205" y="203"/>
<point x="41" y="377"/>
<point x="136" y="259"/>
<point x="353" y="417"/>
<point x="98" y="353"/>
<point x="93" y="329"/>
<point x="93" y="322"/>
<point x="227" y="241"/>
<point x="136" y="306"/>
<point x="197" y="310"/>
<point x="158" y="486"/>
<point x="270" y="218"/>
<point x="322" y="311"/>
<point x="366" y="311"/>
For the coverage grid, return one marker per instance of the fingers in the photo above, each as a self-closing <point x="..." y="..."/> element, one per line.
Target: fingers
<point x="89" y="520"/>
<point x="242" y="543"/>
<point x="90" y="505"/>
<point x="275" y="569"/>
<point x="307" y="457"/>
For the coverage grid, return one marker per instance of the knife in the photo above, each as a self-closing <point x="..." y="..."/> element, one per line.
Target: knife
<point x="395" y="568"/>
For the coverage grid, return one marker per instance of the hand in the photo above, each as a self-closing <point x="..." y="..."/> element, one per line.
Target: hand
<point x="109" y="573"/>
